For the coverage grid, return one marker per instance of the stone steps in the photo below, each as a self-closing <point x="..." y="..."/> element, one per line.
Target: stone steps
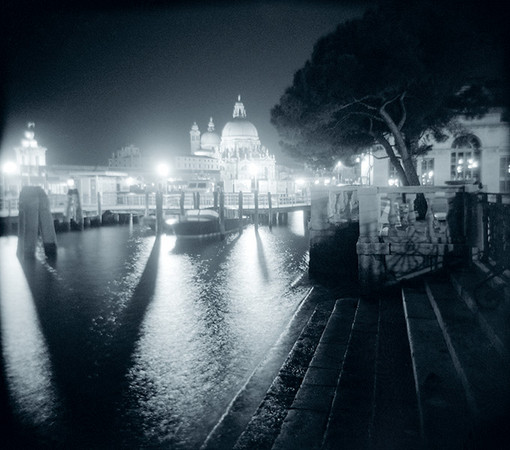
<point x="353" y="389"/>
<point x="307" y="418"/>
<point x="395" y="423"/>
<point x="417" y="366"/>
<point x="264" y="426"/>
<point x="460" y="362"/>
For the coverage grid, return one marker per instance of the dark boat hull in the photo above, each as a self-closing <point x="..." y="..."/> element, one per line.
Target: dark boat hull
<point x="207" y="229"/>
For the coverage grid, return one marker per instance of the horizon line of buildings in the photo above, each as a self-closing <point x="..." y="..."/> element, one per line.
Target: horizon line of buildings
<point x="237" y="161"/>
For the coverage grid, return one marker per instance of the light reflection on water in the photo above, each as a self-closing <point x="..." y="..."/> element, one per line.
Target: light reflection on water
<point x="24" y="349"/>
<point x="157" y="337"/>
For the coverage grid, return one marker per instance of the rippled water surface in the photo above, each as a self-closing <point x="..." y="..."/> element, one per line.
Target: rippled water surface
<point x="132" y="341"/>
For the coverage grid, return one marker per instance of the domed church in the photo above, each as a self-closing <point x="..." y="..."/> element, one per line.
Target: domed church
<point x="244" y="163"/>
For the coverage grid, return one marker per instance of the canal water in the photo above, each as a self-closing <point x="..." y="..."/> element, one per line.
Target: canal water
<point x="128" y="341"/>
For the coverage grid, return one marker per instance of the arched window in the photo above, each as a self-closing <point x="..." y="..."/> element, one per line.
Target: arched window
<point x="465" y="158"/>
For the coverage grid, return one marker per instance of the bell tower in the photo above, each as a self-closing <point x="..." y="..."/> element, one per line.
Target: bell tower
<point x="31" y="158"/>
<point x="194" y="136"/>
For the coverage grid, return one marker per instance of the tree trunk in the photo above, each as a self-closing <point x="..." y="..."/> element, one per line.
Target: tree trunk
<point x="407" y="161"/>
<point x="410" y="170"/>
<point x="393" y="158"/>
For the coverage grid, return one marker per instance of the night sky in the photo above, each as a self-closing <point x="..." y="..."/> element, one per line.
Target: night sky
<point x="97" y="78"/>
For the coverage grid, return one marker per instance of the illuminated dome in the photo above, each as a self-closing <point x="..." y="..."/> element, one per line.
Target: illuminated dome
<point x="239" y="127"/>
<point x="210" y="139"/>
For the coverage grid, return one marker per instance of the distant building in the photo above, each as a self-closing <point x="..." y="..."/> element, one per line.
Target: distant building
<point x="31" y="158"/>
<point x="127" y="157"/>
<point x="236" y="159"/>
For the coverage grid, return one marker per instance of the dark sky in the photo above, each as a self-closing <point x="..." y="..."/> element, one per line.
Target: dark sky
<point x="97" y="78"/>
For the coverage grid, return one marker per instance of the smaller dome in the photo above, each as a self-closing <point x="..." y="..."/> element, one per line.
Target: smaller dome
<point x="209" y="139"/>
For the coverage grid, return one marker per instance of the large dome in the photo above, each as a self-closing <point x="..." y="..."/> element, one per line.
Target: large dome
<point x="239" y="128"/>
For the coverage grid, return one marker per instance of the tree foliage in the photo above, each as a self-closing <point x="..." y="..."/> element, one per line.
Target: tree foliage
<point x="402" y="71"/>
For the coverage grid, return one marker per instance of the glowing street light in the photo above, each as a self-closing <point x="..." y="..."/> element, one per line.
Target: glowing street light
<point x="162" y="170"/>
<point x="9" y="168"/>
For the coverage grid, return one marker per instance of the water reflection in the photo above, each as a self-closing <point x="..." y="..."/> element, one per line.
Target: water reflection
<point x="25" y="354"/>
<point x="147" y="340"/>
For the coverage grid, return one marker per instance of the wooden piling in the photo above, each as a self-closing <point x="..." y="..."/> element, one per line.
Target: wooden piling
<point x="146" y="213"/>
<point x="270" y="207"/>
<point x="46" y="225"/>
<point x="240" y="205"/>
<point x="74" y="205"/>
<point x="159" y="213"/>
<point x="222" y="214"/>
<point x="181" y="203"/>
<point x="34" y="217"/>
<point x="256" y="202"/>
<point x="99" y="208"/>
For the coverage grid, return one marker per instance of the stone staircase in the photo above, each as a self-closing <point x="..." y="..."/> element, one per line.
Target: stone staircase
<point x="422" y="365"/>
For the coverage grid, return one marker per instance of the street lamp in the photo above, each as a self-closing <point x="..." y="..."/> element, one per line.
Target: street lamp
<point x="162" y="169"/>
<point x="254" y="171"/>
<point x="338" y="167"/>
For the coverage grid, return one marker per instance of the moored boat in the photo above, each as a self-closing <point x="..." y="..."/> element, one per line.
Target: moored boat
<point x="205" y="224"/>
<point x="150" y="222"/>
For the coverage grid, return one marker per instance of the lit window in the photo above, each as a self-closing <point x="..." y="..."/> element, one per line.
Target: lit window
<point x="465" y="160"/>
<point x="427" y="172"/>
<point x="504" y="174"/>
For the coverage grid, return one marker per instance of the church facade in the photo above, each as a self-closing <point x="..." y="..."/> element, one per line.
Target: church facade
<point x="236" y="159"/>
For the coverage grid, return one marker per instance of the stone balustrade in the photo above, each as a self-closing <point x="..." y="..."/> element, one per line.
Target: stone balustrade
<point x="396" y="241"/>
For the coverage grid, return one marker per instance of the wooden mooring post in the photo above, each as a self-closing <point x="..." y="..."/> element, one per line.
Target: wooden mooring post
<point x="240" y="205"/>
<point x="159" y="212"/>
<point x="99" y="208"/>
<point x="222" y="215"/>
<point x="256" y="202"/>
<point x="146" y="213"/>
<point x="34" y="217"/>
<point x="181" y="203"/>
<point x="196" y="200"/>
<point x="270" y="207"/>
<point x="74" y="205"/>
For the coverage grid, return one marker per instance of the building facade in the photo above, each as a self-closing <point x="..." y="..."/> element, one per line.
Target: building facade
<point x="479" y="153"/>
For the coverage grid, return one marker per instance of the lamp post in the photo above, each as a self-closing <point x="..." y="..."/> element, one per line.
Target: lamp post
<point x="254" y="171"/>
<point x="338" y="167"/>
<point x="162" y="170"/>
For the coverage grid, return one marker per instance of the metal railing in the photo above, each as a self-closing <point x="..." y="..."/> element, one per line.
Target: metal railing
<point x="496" y="228"/>
<point x="116" y="201"/>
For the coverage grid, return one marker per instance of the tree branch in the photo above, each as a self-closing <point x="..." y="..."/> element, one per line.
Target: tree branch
<point x="404" y="112"/>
